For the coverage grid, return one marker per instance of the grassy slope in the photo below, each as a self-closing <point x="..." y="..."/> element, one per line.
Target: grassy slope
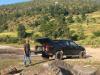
<point x="27" y="20"/>
<point x="88" y="29"/>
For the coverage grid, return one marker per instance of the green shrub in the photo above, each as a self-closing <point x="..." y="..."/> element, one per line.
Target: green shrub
<point x="75" y="37"/>
<point x="21" y="31"/>
<point x="97" y="33"/>
<point x="29" y="34"/>
<point x="92" y="41"/>
<point x="8" y="39"/>
<point x="36" y="36"/>
<point x="21" y="41"/>
<point x="13" y="40"/>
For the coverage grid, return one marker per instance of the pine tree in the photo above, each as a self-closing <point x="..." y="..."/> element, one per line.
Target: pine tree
<point x="21" y="31"/>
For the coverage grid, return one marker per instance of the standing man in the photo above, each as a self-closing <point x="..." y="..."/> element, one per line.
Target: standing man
<point x="27" y="53"/>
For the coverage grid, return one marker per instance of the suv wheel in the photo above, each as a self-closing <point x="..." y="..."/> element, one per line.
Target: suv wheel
<point x="82" y="54"/>
<point x="59" y="55"/>
<point x="45" y="55"/>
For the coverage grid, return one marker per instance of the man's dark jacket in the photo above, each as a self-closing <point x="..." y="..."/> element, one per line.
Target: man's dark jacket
<point x="27" y="49"/>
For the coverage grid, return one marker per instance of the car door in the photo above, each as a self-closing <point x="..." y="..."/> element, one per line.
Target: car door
<point x="67" y="49"/>
<point x="73" y="48"/>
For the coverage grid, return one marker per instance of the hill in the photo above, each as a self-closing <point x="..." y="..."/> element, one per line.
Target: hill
<point x="75" y="19"/>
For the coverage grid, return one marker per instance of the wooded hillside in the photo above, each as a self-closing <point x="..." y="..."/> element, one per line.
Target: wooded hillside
<point x="64" y="19"/>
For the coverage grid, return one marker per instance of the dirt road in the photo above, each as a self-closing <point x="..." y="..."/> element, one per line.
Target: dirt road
<point x="92" y="53"/>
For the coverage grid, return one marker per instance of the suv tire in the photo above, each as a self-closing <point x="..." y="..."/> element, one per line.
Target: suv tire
<point x="82" y="54"/>
<point x="59" y="55"/>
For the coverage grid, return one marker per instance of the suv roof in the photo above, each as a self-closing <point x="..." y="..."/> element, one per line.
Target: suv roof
<point x="43" y="40"/>
<point x="50" y="41"/>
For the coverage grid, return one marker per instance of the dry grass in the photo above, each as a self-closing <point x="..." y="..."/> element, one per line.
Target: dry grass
<point x="11" y="34"/>
<point x="95" y="14"/>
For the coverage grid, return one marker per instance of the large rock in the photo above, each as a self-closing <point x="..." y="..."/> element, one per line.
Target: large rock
<point x="56" y="67"/>
<point x="98" y="72"/>
<point x="84" y="70"/>
<point x="10" y="71"/>
<point x="59" y="67"/>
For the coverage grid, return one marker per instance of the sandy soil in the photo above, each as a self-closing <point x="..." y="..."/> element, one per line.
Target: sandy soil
<point x="93" y="53"/>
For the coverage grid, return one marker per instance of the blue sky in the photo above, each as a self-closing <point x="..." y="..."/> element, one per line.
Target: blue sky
<point x="4" y="2"/>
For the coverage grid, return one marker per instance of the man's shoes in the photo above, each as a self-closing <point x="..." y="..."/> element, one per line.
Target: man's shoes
<point x="26" y="65"/>
<point x="30" y="64"/>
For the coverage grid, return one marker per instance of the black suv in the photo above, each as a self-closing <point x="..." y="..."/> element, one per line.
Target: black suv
<point x="60" y="47"/>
